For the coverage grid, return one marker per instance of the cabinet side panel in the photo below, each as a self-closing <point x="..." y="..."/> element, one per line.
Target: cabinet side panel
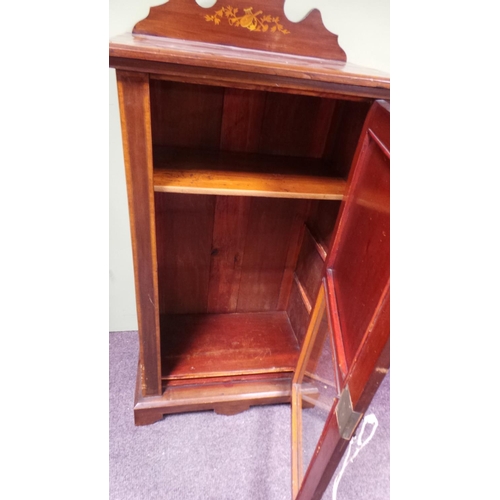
<point x="184" y="226"/>
<point x="294" y="245"/>
<point x="186" y="115"/>
<point x="309" y="269"/>
<point x="321" y="221"/>
<point x="297" y="314"/>
<point x="133" y="94"/>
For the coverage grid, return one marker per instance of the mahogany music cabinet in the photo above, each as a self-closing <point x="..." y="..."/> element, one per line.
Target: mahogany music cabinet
<point x="257" y="167"/>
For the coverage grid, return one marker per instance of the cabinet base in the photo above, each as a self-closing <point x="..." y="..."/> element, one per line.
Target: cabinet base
<point x="225" y="398"/>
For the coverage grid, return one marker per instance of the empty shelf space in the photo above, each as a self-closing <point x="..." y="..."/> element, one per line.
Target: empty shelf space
<point x="243" y="174"/>
<point x="217" y="345"/>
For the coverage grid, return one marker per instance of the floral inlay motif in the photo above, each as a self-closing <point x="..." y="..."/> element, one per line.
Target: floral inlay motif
<point x="251" y="21"/>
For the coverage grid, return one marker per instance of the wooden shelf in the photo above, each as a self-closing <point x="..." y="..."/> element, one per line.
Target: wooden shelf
<point x="242" y="174"/>
<point x="218" y="345"/>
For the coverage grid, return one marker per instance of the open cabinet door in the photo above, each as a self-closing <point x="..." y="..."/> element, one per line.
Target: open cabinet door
<point x="345" y="355"/>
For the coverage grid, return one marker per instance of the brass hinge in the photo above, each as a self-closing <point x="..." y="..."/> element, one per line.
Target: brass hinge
<point x="346" y="417"/>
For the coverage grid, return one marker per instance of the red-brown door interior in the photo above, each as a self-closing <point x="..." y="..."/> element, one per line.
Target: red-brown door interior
<point x="349" y="329"/>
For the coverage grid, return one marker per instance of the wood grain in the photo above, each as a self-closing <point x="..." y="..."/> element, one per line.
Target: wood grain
<point x="310" y="266"/>
<point x="272" y="389"/>
<point x="312" y="330"/>
<point x="330" y="450"/>
<point x="294" y="245"/>
<point x="372" y="361"/>
<point x="359" y="263"/>
<point x="298" y="313"/>
<point x="226" y="254"/>
<point x="343" y="137"/>
<point x="185" y="115"/>
<point x="196" y="346"/>
<point x="226" y="380"/>
<point x="321" y="223"/>
<point x="133" y="96"/>
<point x="297" y="458"/>
<point x="228" y="183"/>
<point x="361" y="266"/>
<point x="237" y="174"/>
<point x="220" y="77"/>
<point x="338" y="339"/>
<point x="321" y="365"/>
<point x="208" y="62"/>
<point x="228" y="245"/>
<point x="186" y="20"/>
<point x="304" y="357"/>
<point x="303" y="294"/>
<point x="242" y="120"/>
<point x="365" y="377"/>
<point x="184" y="227"/>
<point x="296" y="125"/>
<point x="271" y="224"/>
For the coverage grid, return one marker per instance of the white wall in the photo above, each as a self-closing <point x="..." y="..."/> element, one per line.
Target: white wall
<point x="363" y="29"/>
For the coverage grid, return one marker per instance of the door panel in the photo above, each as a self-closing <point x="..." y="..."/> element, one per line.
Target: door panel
<point x="347" y="342"/>
<point x="315" y="388"/>
<point x="360" y="265"/>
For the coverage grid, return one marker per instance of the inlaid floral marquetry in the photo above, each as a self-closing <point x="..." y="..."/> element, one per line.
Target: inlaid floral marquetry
<point x="259" y="25"/>
<point x="257" y="21"/>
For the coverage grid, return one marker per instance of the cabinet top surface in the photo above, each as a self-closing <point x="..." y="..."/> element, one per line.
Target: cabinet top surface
<point x="251" y="37"/>
<point x="192" y="53"/>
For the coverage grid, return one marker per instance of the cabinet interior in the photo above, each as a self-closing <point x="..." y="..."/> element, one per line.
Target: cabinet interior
<point x="240" y="257"/>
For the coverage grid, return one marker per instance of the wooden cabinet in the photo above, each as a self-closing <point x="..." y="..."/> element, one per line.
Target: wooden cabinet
<point x="257" y="166"/>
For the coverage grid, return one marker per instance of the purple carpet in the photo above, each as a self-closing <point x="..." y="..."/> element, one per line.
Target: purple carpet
<point x="203" y="455"/>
